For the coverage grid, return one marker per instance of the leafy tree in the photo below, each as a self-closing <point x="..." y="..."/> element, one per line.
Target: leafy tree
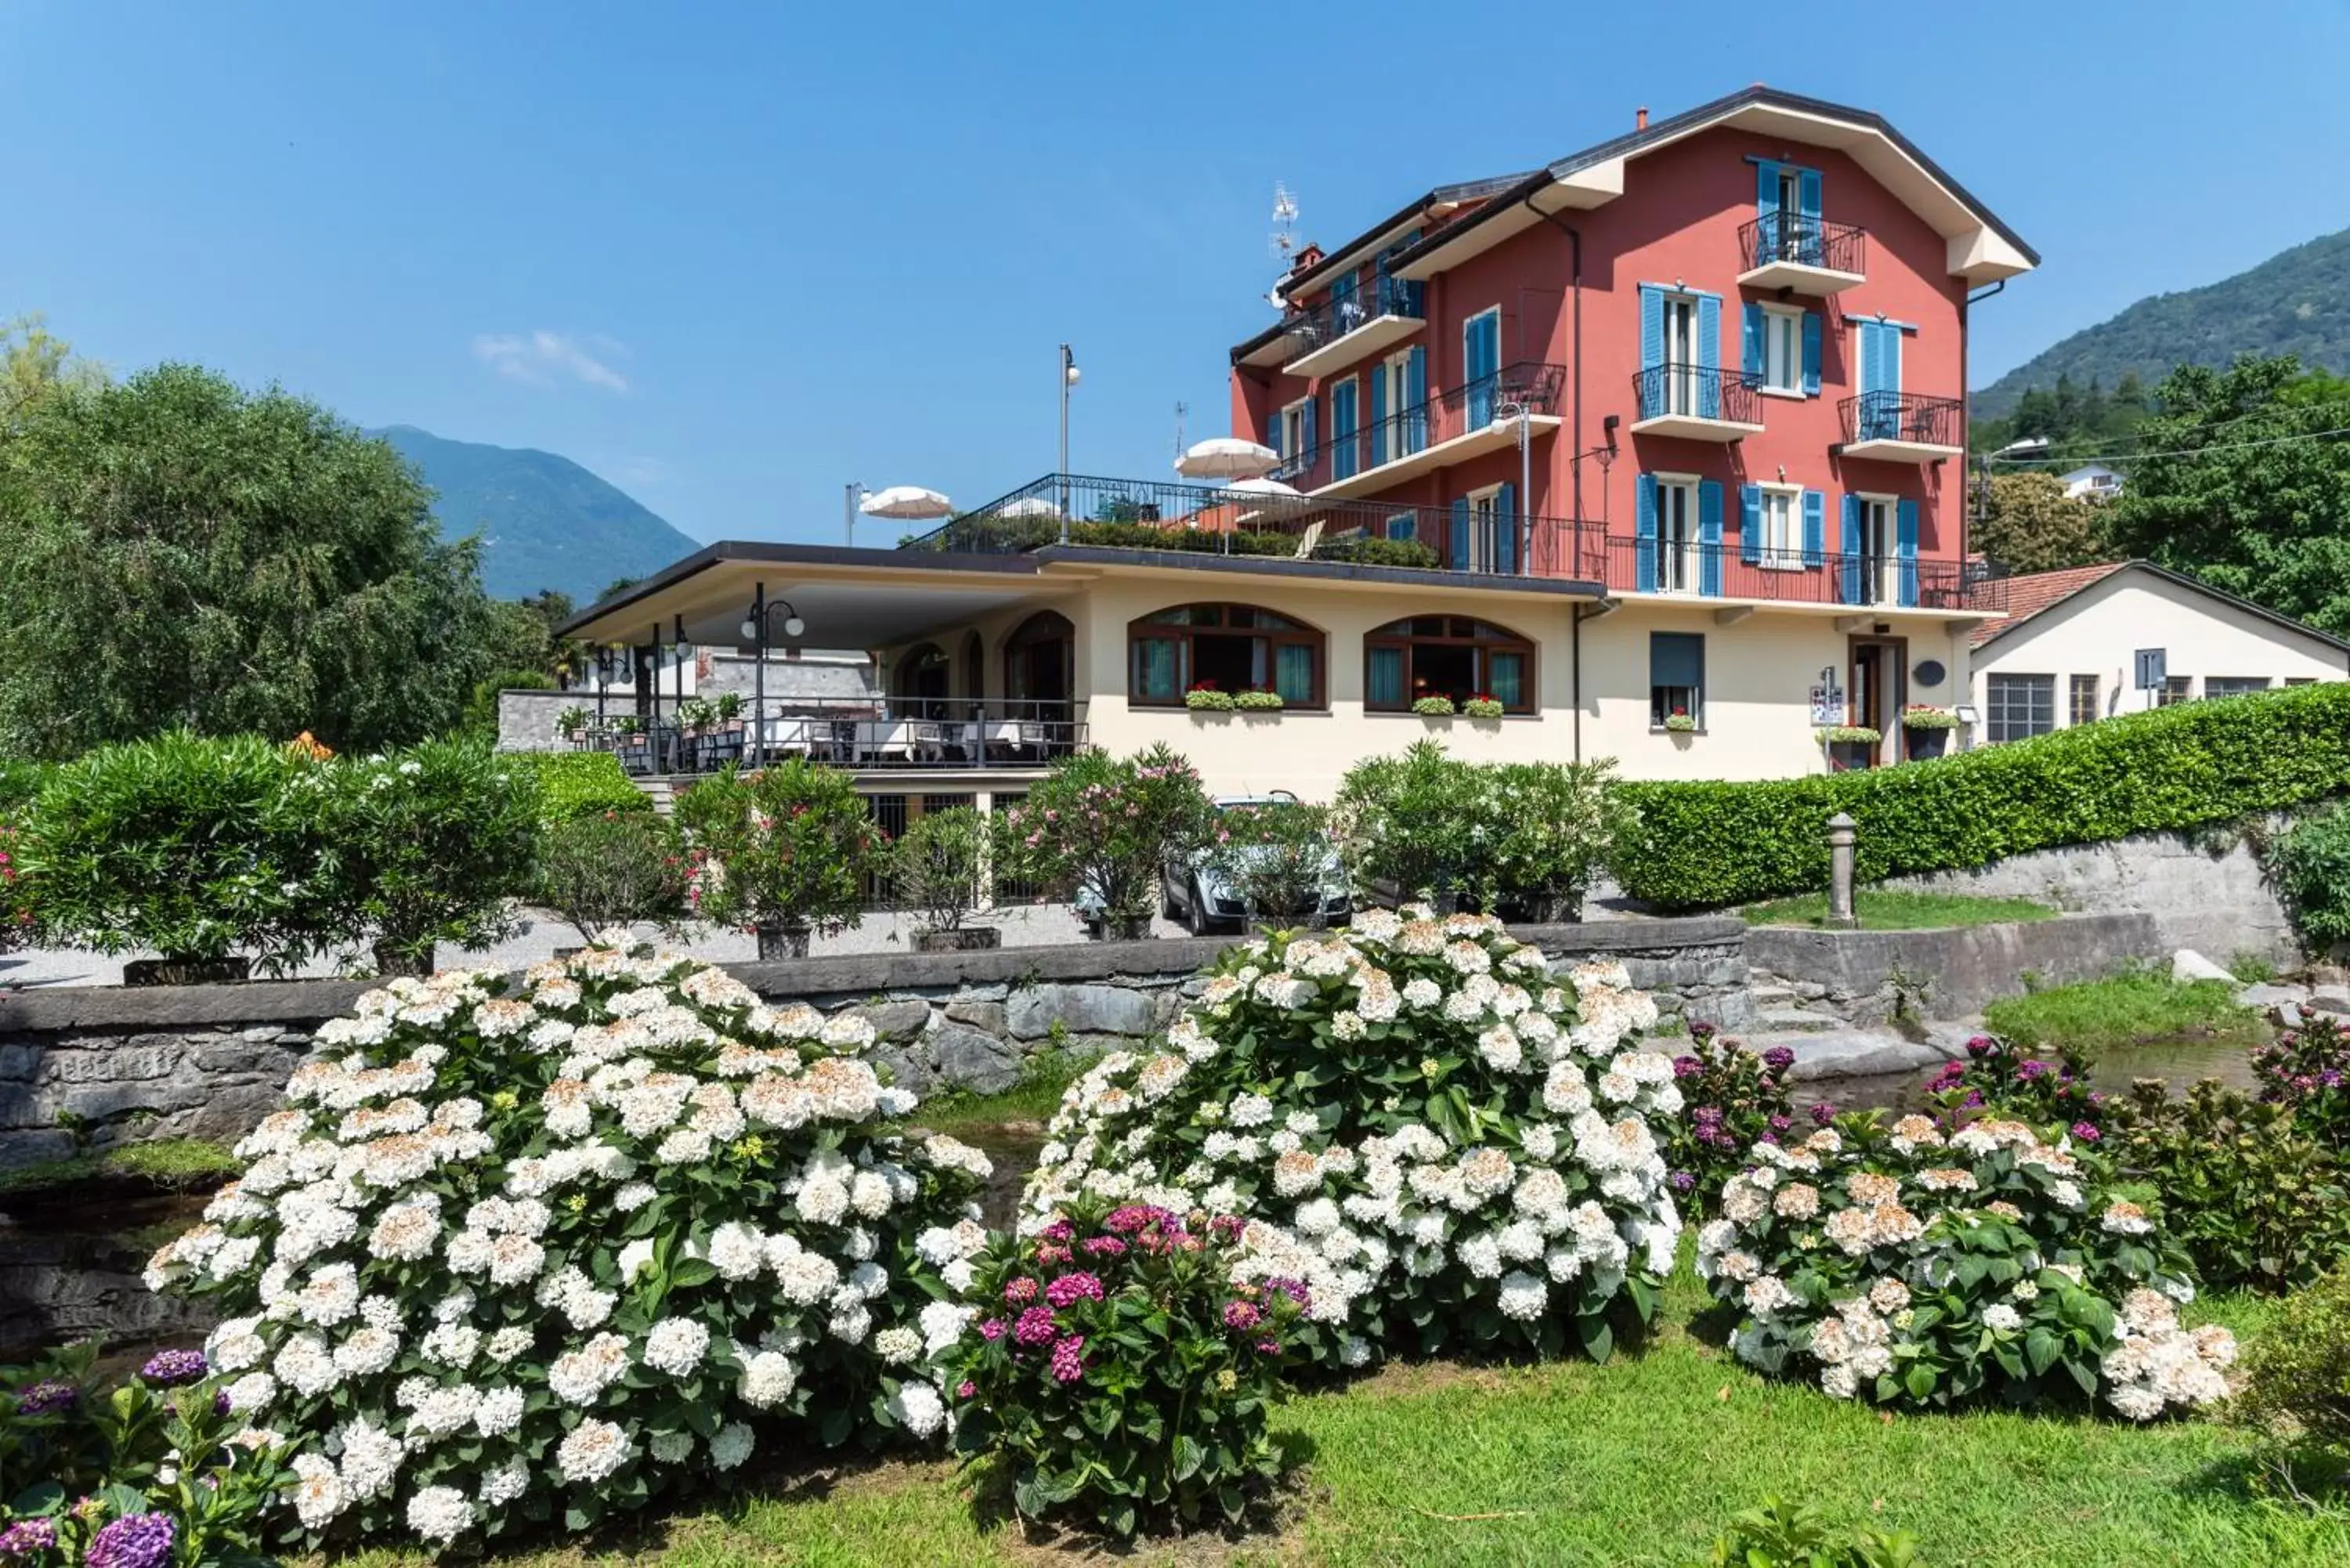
<point x="34" y="360"/>
<point x="2030" y="526"/>
<point x="2241" y="486"/>
<point x="176" y="552"/>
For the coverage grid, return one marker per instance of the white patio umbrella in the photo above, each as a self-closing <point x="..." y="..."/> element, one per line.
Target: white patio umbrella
<point x="1264" y="498"/>
<point x="1227" y="457"/>
<point x="1030" y="506"/>
<point x="910" y="502"/>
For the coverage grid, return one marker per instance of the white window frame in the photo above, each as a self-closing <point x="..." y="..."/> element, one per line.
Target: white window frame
<point x="1679" y="392"/>
<point x="2237" y="685"/>
<point x="1485" y="507"/>
<point x="1772" y="314"/>
<point x="1293" y="429"/>
<point x="1773" y="554"/>
<point x="1690" y="566"/>
<point x="1889" y="563"/>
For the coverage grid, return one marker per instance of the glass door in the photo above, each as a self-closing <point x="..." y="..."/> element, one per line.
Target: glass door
<point x="1677" y="537"/>
<point x="1679" y="367"/>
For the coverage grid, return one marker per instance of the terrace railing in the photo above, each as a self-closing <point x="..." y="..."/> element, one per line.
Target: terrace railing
<point x="1727" y="571"/>
<point x="1805" y="240"/>
<point x="1349" y="306"/>
<point x="1904" y="417"/>
<point x="1530" y="386"/>
<point x="1697" y="391"/>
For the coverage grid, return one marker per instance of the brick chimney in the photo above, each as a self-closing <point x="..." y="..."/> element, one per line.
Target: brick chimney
<point x="1640" y="120"/>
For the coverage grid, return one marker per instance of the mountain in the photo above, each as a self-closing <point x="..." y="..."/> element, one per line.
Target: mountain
<point x="545" y="522"/>
<point x="2294" y="302"/>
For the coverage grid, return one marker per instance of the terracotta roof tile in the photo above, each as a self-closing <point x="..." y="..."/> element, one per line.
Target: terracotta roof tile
<point x="2030" y="594"/>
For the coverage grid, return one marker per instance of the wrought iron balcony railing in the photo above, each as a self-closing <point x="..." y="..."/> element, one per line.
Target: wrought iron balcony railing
<point x="1348" y="306"/>
<point x="1908" y="417"/>
<point x="1724" y="571"/>
<point x="1675" y="391"/>
<point x="1529" y="386"/>
<point x="1803" y="240"/>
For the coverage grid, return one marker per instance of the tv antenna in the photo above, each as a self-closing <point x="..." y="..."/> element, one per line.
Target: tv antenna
<point x="1180" y="410"/>
<point x="1284" y="222"/>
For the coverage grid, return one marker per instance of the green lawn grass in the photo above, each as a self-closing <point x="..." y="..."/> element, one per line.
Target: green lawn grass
<point x="1638" y="1463"/>
<point x="170" y="1164"/>
<point x="1889" y="909"/>
<point x="2124" y="1009"/>
<point x="1033" y="1099"/>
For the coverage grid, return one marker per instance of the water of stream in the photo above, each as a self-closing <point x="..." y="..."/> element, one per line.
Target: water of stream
<point x="2177" y="1063"/>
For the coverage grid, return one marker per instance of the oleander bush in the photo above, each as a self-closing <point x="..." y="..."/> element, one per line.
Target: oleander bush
<point x="785" y="848"/>
<point x="612" y="868"/>
<point x="1278" y="859"/>
<point x="2297" y="1377"/>
<point x="1100" y="828"/>
<point x="1449" y="1151"/>
<point x="429" y="845"/>
<point x="1731" y="1099"/>
<point x="192" y="847"/>
<point x="1118" y="1377"/>
<point x="1701" y="845"/>
<point x="520" y="1253"/>
<point x="1905" y="1266"/>
<point x="582" y="784"/>
<point x="2255" y="1200"/>
<point x="150" y="1471"/>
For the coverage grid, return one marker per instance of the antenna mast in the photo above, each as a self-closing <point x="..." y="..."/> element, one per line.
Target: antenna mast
<point x="1284" y="240"/>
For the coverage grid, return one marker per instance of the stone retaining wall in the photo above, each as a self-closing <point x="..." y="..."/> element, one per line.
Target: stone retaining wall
<point x="124" y="1065"/>
<point x="1947" y="973"/>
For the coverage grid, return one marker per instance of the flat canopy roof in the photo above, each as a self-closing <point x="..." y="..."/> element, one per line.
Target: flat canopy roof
<point x="868" y="598"/>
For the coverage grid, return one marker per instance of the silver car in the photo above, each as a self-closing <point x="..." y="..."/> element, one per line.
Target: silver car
<point x="1194" y="891"/>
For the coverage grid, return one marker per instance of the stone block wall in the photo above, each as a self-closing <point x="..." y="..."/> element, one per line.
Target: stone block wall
<point x="133" y="1064"/>
<point x="1948" y="973"/>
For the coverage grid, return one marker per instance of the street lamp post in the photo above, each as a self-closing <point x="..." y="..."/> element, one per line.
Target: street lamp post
<point x="754" y="631"/>
<point x="1069" y="378"/>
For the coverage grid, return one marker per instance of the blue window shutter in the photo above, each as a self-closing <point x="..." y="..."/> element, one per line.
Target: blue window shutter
<point x="1305" y="440"/>
<point x="1644" y="528"/>
<point x="1750" y="523"/>
<point x="1416" y="386"/>
<point x="1766" y="193"/>
<point x="1808" y="188"/>
<point x="1848" y="552"/>
<point x="1889" y="358"/>
<point x="1652" y="327"/>
<point x="1811" y="353"/>
<point x="1867" y="358"/>
<point x="1753" y="360"/>
<point x="1905" y="534"/>
<point x="1709" y="537"/>
<point x="1816" y="507"/>
<point x="1460" y="531"/>
<point x="1378" y="415"/>
<point x="1345" y="447"/>
<point x="1709" y="356"/>
<point x="1272" y="432"/>
<point x="1505" y="525"/>
<point x="1404" y="525"/>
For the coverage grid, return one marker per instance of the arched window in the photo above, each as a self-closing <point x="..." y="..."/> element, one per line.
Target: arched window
<point x="1039" y="665"/>
<point x="1446" y="656"/>
<point x="971" y="674"/>
<point x="1233" y="648"/>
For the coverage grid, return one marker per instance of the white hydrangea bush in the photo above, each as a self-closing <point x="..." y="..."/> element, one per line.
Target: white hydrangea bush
<point x="1445" y="1147"/>
<point x="1912" y="1265"/>
<point x="532" y="1252"/>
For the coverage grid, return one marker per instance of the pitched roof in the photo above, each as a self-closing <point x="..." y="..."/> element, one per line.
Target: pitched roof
<point x="2032" y="592"/>
<point x="2036" y="592"/>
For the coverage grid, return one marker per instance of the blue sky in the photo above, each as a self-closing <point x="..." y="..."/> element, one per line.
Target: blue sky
<point x="731" y="258"/>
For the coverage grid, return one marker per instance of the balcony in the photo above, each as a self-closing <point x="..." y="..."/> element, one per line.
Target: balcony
<point x="1699" y="572"/>
<point x="1903" y="427"/>
<point x="1452" y="427"/>
<point x="1350" y="323"/>
<point x="1696" y="402"/>
<point x="1802" y="255"/>
<point x="937" y="733"/>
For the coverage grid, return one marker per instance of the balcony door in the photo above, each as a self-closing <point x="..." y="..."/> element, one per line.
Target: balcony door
<point x="1880" y="550"/>
<point x="1677" y="537"/>
<point x="1679" y="359"/>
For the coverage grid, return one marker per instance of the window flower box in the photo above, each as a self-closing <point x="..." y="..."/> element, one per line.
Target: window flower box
<point x="1483" y="707"/>
<point x="1433" y="707"/>
<point x="1256" y="702"/>
<point x="1680" y="723"/>
<point x="1205" y="699"/>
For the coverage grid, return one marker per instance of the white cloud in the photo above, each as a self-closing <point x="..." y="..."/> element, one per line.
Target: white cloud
<point x="540" y="359"/>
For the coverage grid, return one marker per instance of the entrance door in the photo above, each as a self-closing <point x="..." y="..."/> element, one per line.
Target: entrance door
<point x="1880" y="691"/>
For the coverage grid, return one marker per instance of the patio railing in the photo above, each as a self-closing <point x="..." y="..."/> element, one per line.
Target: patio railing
<point x="936" y="732"/>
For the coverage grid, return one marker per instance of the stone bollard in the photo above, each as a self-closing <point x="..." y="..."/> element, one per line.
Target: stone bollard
<point x="1840" y="835"/>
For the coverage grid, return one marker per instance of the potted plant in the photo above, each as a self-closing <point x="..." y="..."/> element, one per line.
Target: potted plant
<point x="938" y="870"/>
<point x="1416" y="826"/>
<point x="635" y="750"/>
<point x="728" y="706"/>
<point x="1849" y="745"/>
<point x="607" y="869"/>
<point x="1255" y="700"/>
<point x="572" y="724"/>
<point x="1926" y="730"/>
<point x="1483" y="706"/>
<point x="1098" y="829"/>
<point x="1278" y="858"/>
<point x="721" y="730"/>
<point x="695" y="714"/>
<point x="1205" y="699"/>
<point x="784" y="852"/>
<point x="1432" y="707"/>
<point x="1681" y="722"/>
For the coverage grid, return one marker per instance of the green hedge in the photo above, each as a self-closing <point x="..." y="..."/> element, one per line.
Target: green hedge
<point x="1699" y="845"/>
<point x="582" y="784"/>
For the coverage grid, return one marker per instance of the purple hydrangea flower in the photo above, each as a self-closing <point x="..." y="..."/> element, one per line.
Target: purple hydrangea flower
<point x="2030" y="1070"/>
<point x="1071" y="1289"/>
<point x="1782" y="1124"/>
<point x="1778" y="1058"/>
<point x="2086" y="1131"/>
<point x="1980" y="1046"/>
<point x="1823" y="1114"/>
<point x="171" y="1368"/>
<point x="47" y="1397"/>
<point x="28" y="1538"/>
<point x="134" y="1541"/>
<point x="1687" y="1066"/>
<point x="1035" y="1326"/>
<point x="1241" y="1315"/>
<point x="1702" y="1031"/>
<point x="1069" y="1359"/>
<point x="1682" y="1181"/>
